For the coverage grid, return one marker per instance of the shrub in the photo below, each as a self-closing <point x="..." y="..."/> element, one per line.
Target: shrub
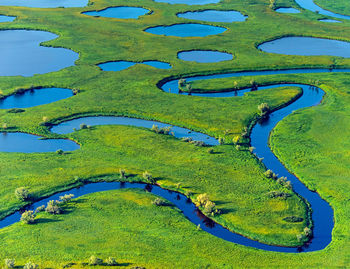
<point x="238" y="147"/>
<point x="83" y="126"/>
<point x="198" y="143"/>
<point x="53" y="208"/>
<point x="95" y="261"/>
<point x="279" y="194"/>
<point x="300" y="237"/>
<point x="244" y="133"/>
<point x="22" y="193"/>
<point x="307" y="231"/>
<point x="9" y="263"/>
<point x="60" y="152"/>
<point x="66" y="198"/>
<point x="251" y="149"/>
<point x="40" y="209"/>
<point x="159" y="202"/>
<point x="148" y="177"/>
<point x="122" y="173"/>
<point x="186" y="139"/>
<point x="235" y="140"/>
<point x="293" y="219"/>
<point x="221" y="140"/>
<point x="30" y="265"/>
<point x="264" y="109"/>
<point x="268" y="174"/>
<point x="210" y="150"/>
<point x="202" y="199"/>
<point x="111" y="261"/>
<point x="28" y="217"/>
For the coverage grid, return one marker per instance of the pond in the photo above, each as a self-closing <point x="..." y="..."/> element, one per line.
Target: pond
<point x="204" y="56"/>
<point x="44" y="3"/>
<point x="186" y="30"/>
<point x="22" y="55"/>
<point x="119" y="12"/>
<point x="214" y="15"/>
<point x="189" y="2"/>
<point x="121" y="65"/>
<point x="287" y="10"/>
<point x="6" y="18"/>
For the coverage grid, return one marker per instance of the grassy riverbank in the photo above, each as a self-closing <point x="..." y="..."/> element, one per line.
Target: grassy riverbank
<point x="233" y="179"/>
<point x="337" y="6"/>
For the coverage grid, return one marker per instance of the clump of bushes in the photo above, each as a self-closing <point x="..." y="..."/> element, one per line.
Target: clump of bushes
<point x="280" y="180"/>
<point x="22" y="194"/>
<point x="28" y="217"/>
<point x="53" y="207"/>
<point x="279" y="194"/>
<point x="9" y="263"/>
<point x="148" y="177"/>
<point x="194" y="142"/>
<point x="208" y="206"/>
<point x="66" y="198"/>
<point x="30" y="265"/>
<point x="162" y="130"/>
<point x="159" y="202"/>
<point x="306" y="235"/>
<point x="95" y="261"/>
<point x="111" y="261"/>
<point x="40" y="209"/>
<point x="60" y="152"/>
<point x="264" y="109"/>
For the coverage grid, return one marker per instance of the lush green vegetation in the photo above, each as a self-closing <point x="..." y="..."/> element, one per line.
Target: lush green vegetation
<point x="338" y="6"/>
<point x="232" y="178"/>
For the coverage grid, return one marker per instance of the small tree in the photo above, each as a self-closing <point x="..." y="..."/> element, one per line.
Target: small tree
<point x="28" y="217"/>
<point x="22" y="193"/>
<point x="60" y="152"/>
<point x="53" y="208"/>
<point x="264" y="109"/>
<point x="159" y="202"/>
<point x="307" y="231"/>
<point x="83" y="126"/>
<point x="9" y="263"/>
<point x="95" y="261"/>
<point x="122" y="173"/>
<point x="111" y="261"/>
<point x="148" y="177"/>
<point x="202" y="199"/>
<point x="235" y="140"/>
<point x="221" y="140"/>
<point x="66" y="198"/>
<point x="30" y="265"/>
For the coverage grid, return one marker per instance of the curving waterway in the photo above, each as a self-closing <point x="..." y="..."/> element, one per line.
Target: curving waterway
<point x="310" y="5"/>
<point x="322" y="214"/>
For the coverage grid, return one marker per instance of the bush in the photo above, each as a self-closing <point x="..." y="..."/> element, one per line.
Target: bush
<point x="186" y="139"/>
<point x="95" y="261"/>
<point x="122" y="173"/>
<point x="22" y="193"/>
<point x="28" y="217"/>
<point x="60" y="152"/>
<point x="293" y="219"/>
<point x="202" y="199"/>
<point x="66" y="198"/>
<point x="83" y="126"/>
<point x="264" y="109"/>
<point x="210" y="150"/>
<point x="279" y="194"/>
<point x="198" y="143"/>
<point x="159" y="202"/>
<point x="9" y="263"/>
<point x="268" y="174"/>
<point x="235" y="140"/>
<point x="221" y="141"/>
<point x="307" y="231"/>
<point x="40" y="209"/>
<point x="148" y="177"/>
<point x="30" y="265"/>
<point x="111" y="261"/>
<point x="53" y="208"/>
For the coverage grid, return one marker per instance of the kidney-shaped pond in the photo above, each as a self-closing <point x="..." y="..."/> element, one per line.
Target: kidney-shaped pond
<point x="34" y="97"/>
<point x="21" y="53"/>
<point x="214" y="15"/>
<point x="307" y="46"/>
<point x="186" y="30"/>
<point x="189" y="2"/>
<point x="44" y="3"/>
<point x="204" y="56"/>
<point x="119" y="12"/>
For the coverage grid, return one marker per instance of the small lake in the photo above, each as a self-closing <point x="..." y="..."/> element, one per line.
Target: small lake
<point x="214" y="15"/>
<point x="186" y="30"/>
<point x="189" y="2"/>
<point x="6" y="18"/>
<point x="204" y="56"/>
<point x="22" y="55"/>
<point x="35" y="97"/>
<point x="122" y="65"/>
<point x="307" y="46"/>
<point x="44" y="3"/>
<point x="27" y="143"/>
<point x="119" y="12"/>
<point x="287" y="10"/>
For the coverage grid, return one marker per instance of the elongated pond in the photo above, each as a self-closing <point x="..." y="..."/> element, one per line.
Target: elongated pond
<point x="307" y="46"/>
<point x="22" y="55"/>
<point x="214" y="15"/>
<point x="204" y="56"/>
<point x="186" y="30"/>
<point x="122" y="65"/>
<point x="119" y="12"/>
<point x="189" y="2"/>
<point x="44" y="3"/>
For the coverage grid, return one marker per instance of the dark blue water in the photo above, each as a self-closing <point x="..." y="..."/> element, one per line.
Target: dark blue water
<point x="6" y="18"/>
<point x="119" y="12"/>
<point x="214" y="15"/>
<point x="68" y="127"/>
<point x="44" y="3"/>
<point x="22" y="55"/>
<point x="189" y="2"/>
<point x="287" y="10"/>
<point x="35" y="97"/>
<point x="204" y="56"/>
<point x="186" y="30"/>
<point x="329" y="20"/>
<point x="310" y="5"/>
<point x="27" y="143"/>
<point x="307" y="46"/>
<point x="122" y="65"/>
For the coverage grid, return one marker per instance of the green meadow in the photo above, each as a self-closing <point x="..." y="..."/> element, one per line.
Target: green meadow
<point x="312" y="143"/>
<point x="338" y="6"/>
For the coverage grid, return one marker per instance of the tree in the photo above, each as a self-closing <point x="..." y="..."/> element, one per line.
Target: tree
<point x="28" y="217"/>
<point x="95" y="261"/>
<point x="122" y="173"/>
<point x="264" y="109"/>
<point x="9" y="263"/>
<point x="30" y="265"/>
<point x="53" y="208"/>
<point x="111" y="261"/>
<point x="148" y="177"/>
<point x="22" y="193"/>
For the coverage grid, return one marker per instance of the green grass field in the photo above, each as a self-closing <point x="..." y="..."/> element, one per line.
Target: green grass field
<point x="313" y="143"/>
<point x="338" y="6"/>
